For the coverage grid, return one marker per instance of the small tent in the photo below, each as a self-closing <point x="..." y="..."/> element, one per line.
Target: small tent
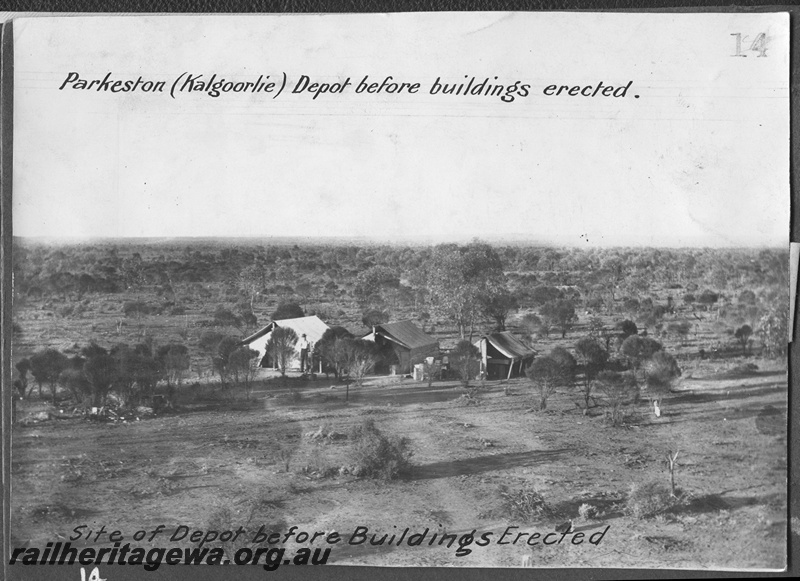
<point x="501" y="353"/>
<point x="312" y="327"/>
<point x="405" y="343"/>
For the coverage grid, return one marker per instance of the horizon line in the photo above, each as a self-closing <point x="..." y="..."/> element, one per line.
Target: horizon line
<point x="513" y="239"/>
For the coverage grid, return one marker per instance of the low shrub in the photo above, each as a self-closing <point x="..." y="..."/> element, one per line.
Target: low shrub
<point x="746" y="370"/>
<point x="649" y="499"/>
<point x="317" y="464"/>
<point x="524" y="504"/>
<point x="588" y="511"/>
<point x="65" y="311"/>
<point x="471" y="397"/>
<point x="284" y="454"/>
<point x="225" y="519"/>
<point x="375" y="455"/>
<point x="291" y="396"/>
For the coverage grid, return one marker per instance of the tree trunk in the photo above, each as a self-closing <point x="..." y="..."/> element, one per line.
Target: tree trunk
<point x="671" y="458"/>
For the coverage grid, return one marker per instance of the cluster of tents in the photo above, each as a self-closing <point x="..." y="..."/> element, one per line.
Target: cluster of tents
<point x="405" y="344"/>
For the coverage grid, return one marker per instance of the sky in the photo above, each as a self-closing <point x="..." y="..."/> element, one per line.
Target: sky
<point x="695" y="154"/>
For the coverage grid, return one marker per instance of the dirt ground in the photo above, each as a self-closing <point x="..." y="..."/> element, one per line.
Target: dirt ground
<point x="223" y="462"/>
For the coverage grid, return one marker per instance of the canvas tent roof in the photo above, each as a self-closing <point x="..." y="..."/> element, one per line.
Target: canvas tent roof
<point x="406" y="334"/>
<point x="508" y="345"/>
<point x="312" y="326"/>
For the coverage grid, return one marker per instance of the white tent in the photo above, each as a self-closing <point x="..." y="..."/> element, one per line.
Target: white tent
<point x="312" y="327"/>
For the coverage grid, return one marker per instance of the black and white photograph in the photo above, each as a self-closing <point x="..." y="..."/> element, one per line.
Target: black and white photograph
<point x="478" y="289"/>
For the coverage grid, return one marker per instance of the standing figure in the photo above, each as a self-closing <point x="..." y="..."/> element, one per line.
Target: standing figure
<point x="303" y="353"/>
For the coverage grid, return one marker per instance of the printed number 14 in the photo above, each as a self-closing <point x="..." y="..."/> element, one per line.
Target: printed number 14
<point x="759" y="44"/>
<point x="93" y="576"/>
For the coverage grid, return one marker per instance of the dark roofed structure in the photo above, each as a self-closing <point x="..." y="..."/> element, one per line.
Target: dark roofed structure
<point x="407" y="342"/>
<point x="501" y="352"/>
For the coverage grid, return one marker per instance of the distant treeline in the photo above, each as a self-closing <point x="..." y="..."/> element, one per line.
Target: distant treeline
<point x="43" y="269"/>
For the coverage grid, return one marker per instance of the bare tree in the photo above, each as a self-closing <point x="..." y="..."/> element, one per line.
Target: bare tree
<point x="672" y="458"/>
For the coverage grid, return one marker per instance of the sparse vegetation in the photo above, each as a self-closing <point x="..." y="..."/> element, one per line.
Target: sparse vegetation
<point x="375" y="455"/>
<point x="774" y="328"/>
<point x="548" y="373"/>
<point x="650" y="499"/>
<point x="523" y="505"/>
<point x="638" y="349"/>
<point x="592" y="358"/>
<point x="588" y="512"/>
<point x="559" y="314"/>
<point x="661" y="371"/>
<point x="464" y="361"/>
<point x="619" y="390"/>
